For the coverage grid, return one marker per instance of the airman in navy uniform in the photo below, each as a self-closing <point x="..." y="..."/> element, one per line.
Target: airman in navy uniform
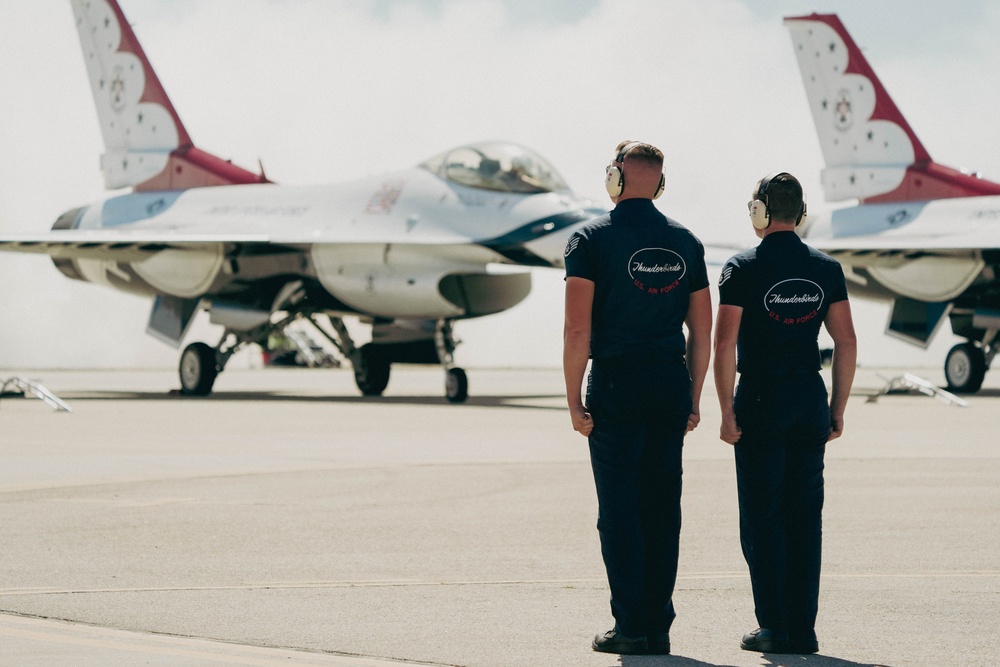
<point x="634" y="279"/>
<point x="772" y="301"/>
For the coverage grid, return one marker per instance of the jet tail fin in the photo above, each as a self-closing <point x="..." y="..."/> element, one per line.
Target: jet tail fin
<point x="146" y="144"/>
<point x="871" y="152"/>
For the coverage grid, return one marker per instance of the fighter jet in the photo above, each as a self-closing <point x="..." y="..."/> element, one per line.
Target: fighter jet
<point x="409" y="253"/>
<point x="923" y="237"/>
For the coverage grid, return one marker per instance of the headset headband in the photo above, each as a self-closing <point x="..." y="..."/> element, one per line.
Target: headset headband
<point x="764" y="221"/>
<point x="762" y="189"/>
<point x="620" y="158"/>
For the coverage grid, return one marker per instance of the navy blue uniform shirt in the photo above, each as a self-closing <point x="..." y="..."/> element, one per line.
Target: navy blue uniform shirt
<point x="785" y="289"/>
<point x="644" y="267"/>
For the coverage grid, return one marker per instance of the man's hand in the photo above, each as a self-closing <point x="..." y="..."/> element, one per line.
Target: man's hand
<point x="730" y="431"/>
<point x="583" y="423"/>
<point x="836" y="427"/>
<point x="693" y="420"/>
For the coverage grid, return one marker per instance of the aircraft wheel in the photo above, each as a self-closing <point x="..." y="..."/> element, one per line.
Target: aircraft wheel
<point x="198" y="370"/>
<point x="965" y="368"/>
<point x="372" y="377"/>
<point x="456" y="385"/>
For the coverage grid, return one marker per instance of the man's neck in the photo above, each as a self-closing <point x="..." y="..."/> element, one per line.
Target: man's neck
<point x="777" y="226"/>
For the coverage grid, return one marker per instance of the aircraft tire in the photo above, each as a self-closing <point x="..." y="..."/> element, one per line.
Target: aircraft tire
<point x="965" y="368"/>
<point x="198" y="369"/>
<point x="456" y="385"/>
<point x="372" y="377"/>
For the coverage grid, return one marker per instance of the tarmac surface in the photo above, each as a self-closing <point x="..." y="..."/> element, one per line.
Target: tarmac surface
<point x="285" y="520"/>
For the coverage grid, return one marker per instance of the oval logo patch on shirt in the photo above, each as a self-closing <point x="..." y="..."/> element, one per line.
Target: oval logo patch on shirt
<point x="656" y="270"/>
<point x="794" y="301"/>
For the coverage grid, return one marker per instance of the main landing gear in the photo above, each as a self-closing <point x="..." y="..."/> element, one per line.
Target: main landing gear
<point x="201" y="364"/>
<point x="966" y="365"/>
<point x="198" y="369"/>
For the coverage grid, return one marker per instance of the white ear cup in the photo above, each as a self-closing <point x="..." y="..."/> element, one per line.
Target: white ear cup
<point x="614" y="181"/>
<point x="660" y="187"/>
<point x="759" y="215"/>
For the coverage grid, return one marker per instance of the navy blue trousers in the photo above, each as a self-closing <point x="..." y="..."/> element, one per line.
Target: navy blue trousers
<point x="640" y="407"/>
<point x="779" y="475"/>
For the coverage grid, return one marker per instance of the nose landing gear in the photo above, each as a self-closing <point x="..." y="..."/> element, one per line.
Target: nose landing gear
<point x="456" y="382"/>
<point x="456" y="385"/>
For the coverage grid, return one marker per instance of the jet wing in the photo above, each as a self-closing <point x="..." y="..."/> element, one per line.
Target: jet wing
<point x="963" y="227"/>
<point x="118" y="246"/>
<point x="928" y="268"/>
<point x="885" y="248"/>
<point x="133" y="246"/>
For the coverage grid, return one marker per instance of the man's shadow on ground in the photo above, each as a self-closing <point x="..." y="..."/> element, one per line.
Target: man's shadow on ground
<point x="769" y="660"/>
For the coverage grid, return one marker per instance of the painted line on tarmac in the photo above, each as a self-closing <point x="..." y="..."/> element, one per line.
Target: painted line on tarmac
<point x="404" y="583"/>
<point x="941" y="574"/>
<point x="290" y="585"/>
<point x="111" y="646"/>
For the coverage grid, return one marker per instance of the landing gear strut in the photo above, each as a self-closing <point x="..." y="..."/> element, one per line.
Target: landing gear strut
<point x="201" y="364"/>
<point x="456" y="382"/>
<point x="373" y="361"/>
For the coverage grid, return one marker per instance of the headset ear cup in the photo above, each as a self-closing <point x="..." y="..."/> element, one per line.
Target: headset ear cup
<point x="660" y="187"/>
<point x="758" y="214"/>
<point x="803" y="215"/>
<point x="614" y="181"/>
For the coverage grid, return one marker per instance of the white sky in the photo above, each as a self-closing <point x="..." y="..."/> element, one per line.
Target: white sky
<point x="327" y="90"/>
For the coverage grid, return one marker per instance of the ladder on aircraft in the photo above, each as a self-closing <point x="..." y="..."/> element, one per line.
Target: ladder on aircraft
<point x="23" y="386"/>
<point x="908" y="381"/>
<point x="313" y="353"/>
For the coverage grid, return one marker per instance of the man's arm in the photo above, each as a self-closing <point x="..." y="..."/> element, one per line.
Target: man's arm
<point x="840" y="325"/>
<point x="576" y="348"/>
<point x="699" y="348"/>
<point x="727" y="330"/>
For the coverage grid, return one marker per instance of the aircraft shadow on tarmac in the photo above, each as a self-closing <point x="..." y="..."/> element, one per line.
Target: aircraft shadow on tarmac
<point x="524" y="401"/>
<point x="988" y="393"/>
<point x="769" y="660"/>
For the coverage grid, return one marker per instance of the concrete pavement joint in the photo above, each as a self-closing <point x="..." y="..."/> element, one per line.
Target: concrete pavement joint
<point x="984" y="574"/>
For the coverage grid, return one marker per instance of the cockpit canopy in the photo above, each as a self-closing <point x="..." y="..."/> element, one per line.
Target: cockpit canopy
<point x="497" y="166"/>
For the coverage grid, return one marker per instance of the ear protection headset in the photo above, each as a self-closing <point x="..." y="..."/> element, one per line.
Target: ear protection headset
<point x="759" y="215"/>
<point x="614" y="179"/>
